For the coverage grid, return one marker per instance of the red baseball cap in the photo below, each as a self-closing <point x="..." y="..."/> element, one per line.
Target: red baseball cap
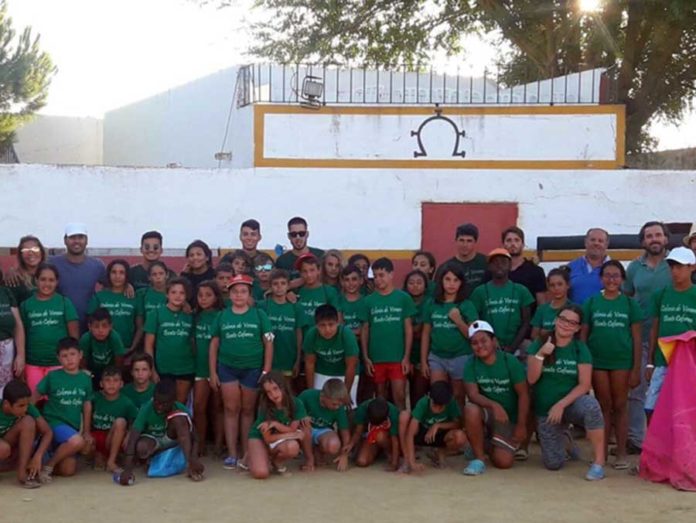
<point x="241" y="278"/>
<point x="303" y="258"/>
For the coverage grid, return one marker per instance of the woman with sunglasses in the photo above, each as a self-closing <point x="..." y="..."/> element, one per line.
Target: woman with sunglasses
<point x="560" y="373"/>
<point x="22" y="278"/>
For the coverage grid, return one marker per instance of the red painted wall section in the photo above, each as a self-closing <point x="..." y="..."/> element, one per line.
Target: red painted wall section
<point x="440" y="221"/>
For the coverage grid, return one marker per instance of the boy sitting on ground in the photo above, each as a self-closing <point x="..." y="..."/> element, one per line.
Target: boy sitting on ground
<point x="376" y="431"/>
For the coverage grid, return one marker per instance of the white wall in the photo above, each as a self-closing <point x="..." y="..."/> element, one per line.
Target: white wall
<point x="183" y="126"/>
<point x="368" y="209"/>
<point x="60" y="140"/>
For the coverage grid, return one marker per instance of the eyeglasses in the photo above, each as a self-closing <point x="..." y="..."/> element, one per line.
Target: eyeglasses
<point x="265" y="267"/>
<point x="568" y="321"/>
<point x="33" y="250"/>
<point x="298" y="234"/>
<point x="148" y="247"/>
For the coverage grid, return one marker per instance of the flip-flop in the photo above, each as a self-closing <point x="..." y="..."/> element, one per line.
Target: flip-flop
<point x="620" y="465"/>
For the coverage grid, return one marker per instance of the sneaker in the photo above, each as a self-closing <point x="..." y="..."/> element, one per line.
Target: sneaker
<point x="230" y="463"/>
<point x="521" y="455"/>
<point x="595" y="473"/>
<point x="476" y="467"/>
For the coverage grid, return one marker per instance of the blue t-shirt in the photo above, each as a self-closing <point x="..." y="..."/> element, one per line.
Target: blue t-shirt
<point x="584" y="281"/>
<point x="77" y="281"/>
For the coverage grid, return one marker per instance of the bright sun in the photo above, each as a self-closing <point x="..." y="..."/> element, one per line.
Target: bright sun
<point x="590" y="6"/>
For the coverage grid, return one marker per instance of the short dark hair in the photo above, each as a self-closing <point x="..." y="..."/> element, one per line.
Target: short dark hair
<point x="45" y="266"/>
<point x="467" y="229"/>
<point x="165" y="389"/>
<point x="358" y="256"/>
<point x="15" y="390"/>
<point x="252" y="224"/>
<point x="279" y="274"/>
<point x="67" y="343"/>
<point x="261" y="259"/>
<point x="325" y="312"/>
<point x="296" y="220"/>
<point x="377" y="411"/>
<point x="151" y="235"/>
<point x="441" y="392"/>
<point x="224" y="267"/>
<point x="100" y="314"/>
<point x="665" y="229"/>
<point x="384" y="264"/>
<point x="111" y="370"/>
<point x="158" y="263"/>
<point x="351" y="269"/>
<point x="613" y="263"/>
<point x="308" y="259"/>
<point x="143" y="356"/>
<point x="180" y="281"/>
<point x="427" y="255"/>
<point x="514" y="229"/>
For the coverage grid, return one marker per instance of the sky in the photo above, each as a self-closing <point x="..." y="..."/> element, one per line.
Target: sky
<point x="110" y="53"/>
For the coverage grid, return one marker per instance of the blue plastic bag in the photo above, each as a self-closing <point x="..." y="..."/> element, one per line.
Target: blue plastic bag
<point x="167" y="463"/>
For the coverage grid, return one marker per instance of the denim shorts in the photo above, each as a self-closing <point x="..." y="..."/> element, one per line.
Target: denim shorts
<point x="62" y="433"/>
<point x="658" y="378"/>
<point x="453" y="367"/>
<point x="318" y="433"/>
<point x="247" y="378"/>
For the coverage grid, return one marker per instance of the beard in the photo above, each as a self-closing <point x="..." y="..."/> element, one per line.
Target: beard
<point x="655" y="248"/>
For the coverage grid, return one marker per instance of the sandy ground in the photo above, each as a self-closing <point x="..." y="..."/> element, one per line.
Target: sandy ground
<point x="527" y="493"/>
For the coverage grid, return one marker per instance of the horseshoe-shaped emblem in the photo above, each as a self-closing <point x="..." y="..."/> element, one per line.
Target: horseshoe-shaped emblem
<point x="457" y="135"/>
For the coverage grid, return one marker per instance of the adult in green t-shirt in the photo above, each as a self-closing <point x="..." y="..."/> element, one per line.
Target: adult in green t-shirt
<point x="496" y="415"/>
<point x="241" y="350"/>
<point x="612" y="330"/>
<point x="12" y="355"/>
<point x="445" y="346"/>
<point x="544" y="319"/>
<point x="674" y="312"/>
<point x="169" y="339"/>
<point x="387" y="338"/>
<point x="473" y="264"/>
<point x="298" y="234"/>
<point x="560" y="373"/>
<point x="503" y="303"/>
<point x="331" y="351"/>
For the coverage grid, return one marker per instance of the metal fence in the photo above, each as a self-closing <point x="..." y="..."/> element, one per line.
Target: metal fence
<point x="282" y="83"/>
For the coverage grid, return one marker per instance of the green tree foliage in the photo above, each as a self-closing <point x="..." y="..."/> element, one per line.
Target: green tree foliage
<point x="649" y="45"/>
<point x="25" y="74"/>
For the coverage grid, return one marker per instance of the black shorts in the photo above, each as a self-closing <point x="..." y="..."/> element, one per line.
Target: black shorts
<point x="179" y="377"/>
<point x="439" y="441"/>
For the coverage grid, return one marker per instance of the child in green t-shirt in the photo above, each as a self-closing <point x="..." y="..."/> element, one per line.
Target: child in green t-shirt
<point x="434" y="422"/>
<point x="101" y="346"/>
<point x="558" y="285"/>
<point x="149" y="298"/>
<point x="313" y="292"/>
<point x="328" y="417"/>
<point x="388" y="335"/>
<point x="262" y="268"/>
<point x="331" y="351"/>
<point x="376" y="431"/>
<point x="223" y="274"/>
<point x="495" y="417"/>
<point x="20" y="421"/>
<point x="162" y="423"/>
<point x="425" y="262"/>
<point x="68" y="410"/>
<point x="416" y="285"/>
<point x="112" y="412"/>
<point x="140" y="390"/>
<point x="169" y="339"/>
<point x="280" y="430"/>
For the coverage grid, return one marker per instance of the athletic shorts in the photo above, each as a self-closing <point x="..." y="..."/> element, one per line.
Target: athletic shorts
<point x="247" y="378"/>
<point x="62" y="433"/>
<point x="439" y="441"/>
<point x="100" y="437"/>
<point x="385" y="372"/>
<point x="318" y="433"/>
<point x="499" y="434"/>
<point x="453" y="367"/>
<point x="658" y="378"/>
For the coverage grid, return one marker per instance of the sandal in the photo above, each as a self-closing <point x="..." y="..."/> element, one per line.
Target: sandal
<point x="621" y="464"/>
<point x="45" y="475"/>
<point x="476" y="467"/>
<point x="521" y="455"/>
<point x="30" y="484"/>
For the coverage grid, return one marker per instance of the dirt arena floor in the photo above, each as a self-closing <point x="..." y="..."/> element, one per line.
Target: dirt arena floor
<point x="527" y="493"/>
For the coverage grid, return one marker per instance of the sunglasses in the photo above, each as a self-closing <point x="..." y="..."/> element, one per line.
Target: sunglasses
<point x="33" y="250"/>
<point x="265" y="267"/>
<point x="298" y="234"/>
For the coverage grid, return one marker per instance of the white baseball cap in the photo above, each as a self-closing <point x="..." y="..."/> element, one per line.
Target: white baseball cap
<point x="73" y="229"/>
<point x="682" y="255"/>
<point x="480" y="326"/>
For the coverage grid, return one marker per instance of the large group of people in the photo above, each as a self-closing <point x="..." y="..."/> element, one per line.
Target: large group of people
<point x="258" y="361"/>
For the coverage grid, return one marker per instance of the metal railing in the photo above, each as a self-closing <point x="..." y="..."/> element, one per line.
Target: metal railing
<point x="282" y="83"/>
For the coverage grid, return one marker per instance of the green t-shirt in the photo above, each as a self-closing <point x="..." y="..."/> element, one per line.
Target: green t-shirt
<point x="501" y="306"/>
<point x="545" y="316"/>
<point x="446" y="341"/>
<point x="497" y="381"/>
<point x="147" y="300"/>
<point x="474" y="270"/>
<point x="298" y="414"/>
<point x="150" y="422"/>
<point x="427" y="418"/>
<point x="323" y="418"/>
<point x="417" y="319"/>
<point x="284" y="323"/>
<point x="7" y="319"/>
<point x="676" y="312"/>
<point x="173" y="341"/>
<point x="204" y="324"/>
<point x="45" y="324"/>
<point x="354" y="312"/>
<point x="7" y="421"/>
<point x="101" y="354"/>
<point x="138" y="398"/>
<point x="139" y="277"/>
<point x="257" y="291"/>
<point x="66" y="393"/>
<point x="610" y="340"/>
<point x="122" y="312"/>
<point x="393" y="416"/>
<point x="331" y="353"/>
<point x="386" y="316"/>
<point x="557" y="380"/>
<point x="309" y="299"/>
<point x="241" y="338"/>
<point x="105" y="411"/>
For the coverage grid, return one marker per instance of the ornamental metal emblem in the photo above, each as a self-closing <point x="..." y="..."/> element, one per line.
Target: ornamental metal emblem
<point x="421" y="152"/>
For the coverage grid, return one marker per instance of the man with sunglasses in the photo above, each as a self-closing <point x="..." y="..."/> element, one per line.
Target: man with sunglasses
<point x="298" y="235"/>
<point x="151" y="249"/>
